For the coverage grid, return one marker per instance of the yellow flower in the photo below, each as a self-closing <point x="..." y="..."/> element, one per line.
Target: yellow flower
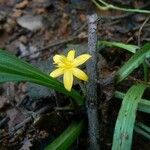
<point x="68" y="66"/>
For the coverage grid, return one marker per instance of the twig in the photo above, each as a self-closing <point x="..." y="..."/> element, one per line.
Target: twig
<point x="139" y="33"/>
<point x="145" y="66"/>
<point x="117" y="16"/>
<point x="42" y="110"/>
<point x="80" y="29"/>
<point x="60" y="42"/>
<point x="137" y="27"/>
<point x="27" y="120"/>
<point x="3" y="121"/>
<point x="52" y="45"/>
<point x="91" y="96"/>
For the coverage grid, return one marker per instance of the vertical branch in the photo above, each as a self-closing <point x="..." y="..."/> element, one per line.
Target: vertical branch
<point x="91" y="98"/>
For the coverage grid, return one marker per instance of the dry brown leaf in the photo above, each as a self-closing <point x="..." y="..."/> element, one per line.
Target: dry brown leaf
<point x="4" y="101"/>
<point x="22" y="4"/>
<point x="15" y="116"/>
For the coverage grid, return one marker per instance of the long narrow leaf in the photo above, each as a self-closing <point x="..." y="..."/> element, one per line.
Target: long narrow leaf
<point x="14" y="69"/>
<point x="144" y="104"/>
<point x="133" y="62"/>
<point x="142" y="129"/>
<point x="129" y="47"/>
<point x="67" y="138"/>
<point x="122" y="138"/>
<point x="143" y="126"/>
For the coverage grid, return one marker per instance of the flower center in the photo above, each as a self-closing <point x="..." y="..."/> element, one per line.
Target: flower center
<point x="68" y="64"/>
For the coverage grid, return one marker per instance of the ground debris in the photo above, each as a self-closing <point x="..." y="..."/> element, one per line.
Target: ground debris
<point x="15" y="117"/>
<point x="42" y="3"/>
<point x="31" y="22"/>
<point x="35" y="30"/>
<point x="26" y="144"/>
<point x="22" y="4"/>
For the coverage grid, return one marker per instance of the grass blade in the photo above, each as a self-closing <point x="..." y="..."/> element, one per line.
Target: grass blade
<point x="144" y="104"/>
<point x="133" y="62"/>
<point x="142" y="129"/>
<point x="129" y="47"/>
<point x="67" y="138"/>
<point x="122" y="138"/>
<point x="14" y="69"/>
<point x="143" y="126"/>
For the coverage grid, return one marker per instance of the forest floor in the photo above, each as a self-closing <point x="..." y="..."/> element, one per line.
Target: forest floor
<point x="36" y="30"/>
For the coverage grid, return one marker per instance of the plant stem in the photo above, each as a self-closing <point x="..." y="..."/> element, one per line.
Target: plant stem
<point x="91" y="95"/>
<point x="109" y="6"/>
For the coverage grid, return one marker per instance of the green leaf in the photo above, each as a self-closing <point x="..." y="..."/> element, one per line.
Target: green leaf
<point x="142" y="129"/>
<point x="143" y="126"/>
<point x="122" y="138"/>
<point x="129" y="47"/>
<point x="67" y="138"/>
<point x="144" y="104"/>
<point x="14" y="69"/>
<point x="133" y="62"/>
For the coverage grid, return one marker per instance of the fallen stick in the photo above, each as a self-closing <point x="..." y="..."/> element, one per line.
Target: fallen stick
<point x="26" y="121"/>
<point x="91" y="95"/>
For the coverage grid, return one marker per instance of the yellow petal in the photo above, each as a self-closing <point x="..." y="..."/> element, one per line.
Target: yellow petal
<point x="68" y="79"/>
<point x="81" y="59"/>
<point x="71" y="55"/>
<point x="56" y="73"/>
<point x="58" y="58"/>
<point x="80" y="74"/>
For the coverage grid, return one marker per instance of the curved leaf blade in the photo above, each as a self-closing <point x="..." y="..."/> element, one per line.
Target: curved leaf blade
<point x="134" y="62"/>
<point x="144" y="104"/>
<point x="142" y="129"/>
<point x="129" y="47"/>
<point x="122" y="138"/>
<point x="14" y="69"/>
<point x="67" y="138"/>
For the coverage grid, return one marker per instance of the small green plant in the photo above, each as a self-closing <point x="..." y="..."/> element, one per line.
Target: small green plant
<point x="123" y="133"/>
<point x="132" y="100"/>
<point x="67" y="138"/>
<point x="14" y="69"/>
